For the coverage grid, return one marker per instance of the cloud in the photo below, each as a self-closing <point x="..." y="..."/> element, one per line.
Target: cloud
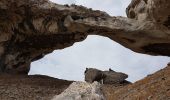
<point x="97" y="51"/>
<point x="112" y="7"/>
<point x="64" y="1"/>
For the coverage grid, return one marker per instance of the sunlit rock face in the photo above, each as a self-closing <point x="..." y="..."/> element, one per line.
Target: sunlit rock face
<point x="30" y="29"/>
<point x="154" y="10"/>
<point x="81" y="91"/>
<point x="155" y="13"/>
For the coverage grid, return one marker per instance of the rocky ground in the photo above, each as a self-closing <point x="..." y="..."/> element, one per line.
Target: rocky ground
<point x="153" y="87"/>
<point x="13" y="87"/>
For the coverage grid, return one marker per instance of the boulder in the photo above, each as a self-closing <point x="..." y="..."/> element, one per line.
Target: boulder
<point x="93" y="74"/>
<point x="81" y="91"/>
<point x="104" y="77"/>
<point x="112" y="77"/>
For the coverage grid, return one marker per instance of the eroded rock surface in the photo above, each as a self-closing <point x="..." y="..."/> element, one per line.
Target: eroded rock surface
<point x="81" y="91"/>
<point x="30" y="29"/>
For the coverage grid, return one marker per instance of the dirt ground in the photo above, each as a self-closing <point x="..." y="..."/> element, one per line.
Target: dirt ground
<point x="17" y="87"/>
<point x="153" y="87"/>
<point x="14" y="87"/>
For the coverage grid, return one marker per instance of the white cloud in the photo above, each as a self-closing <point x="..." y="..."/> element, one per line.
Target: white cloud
<point x="64" y="1"/>
<point x="97" y="51"/>
<point x="112" y="7"/>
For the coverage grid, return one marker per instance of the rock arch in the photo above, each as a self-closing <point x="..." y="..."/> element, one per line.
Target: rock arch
<point x="30" y="29"/>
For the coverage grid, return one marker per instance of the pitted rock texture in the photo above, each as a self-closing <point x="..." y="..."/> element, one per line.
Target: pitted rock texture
<point x="30" y="29"/>
<point x="81" y="91"/>
<point x="154" y="10"/>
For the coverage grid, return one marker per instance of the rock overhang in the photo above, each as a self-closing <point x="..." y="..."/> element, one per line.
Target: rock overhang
<point x="31" y="29"/>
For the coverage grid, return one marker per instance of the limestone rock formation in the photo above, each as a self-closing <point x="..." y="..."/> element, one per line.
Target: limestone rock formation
<point x="105" y="77"/>
<point x="81" y="91"/>
<point x="30" y="29"/>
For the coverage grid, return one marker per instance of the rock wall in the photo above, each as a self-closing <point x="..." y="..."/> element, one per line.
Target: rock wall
<point x="30" y="29"/>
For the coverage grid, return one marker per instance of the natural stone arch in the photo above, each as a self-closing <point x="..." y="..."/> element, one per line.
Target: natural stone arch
<point x="29" y="29"/>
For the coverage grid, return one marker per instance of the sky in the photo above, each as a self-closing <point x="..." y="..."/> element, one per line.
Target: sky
<point x="97" y="52"/>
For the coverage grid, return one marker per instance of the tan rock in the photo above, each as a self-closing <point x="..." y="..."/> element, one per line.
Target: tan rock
<point x="81" y="91"/>
<point x="31" y="28"/>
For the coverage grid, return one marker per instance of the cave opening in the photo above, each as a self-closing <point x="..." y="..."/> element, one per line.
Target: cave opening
<point x="97" y="52"/>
